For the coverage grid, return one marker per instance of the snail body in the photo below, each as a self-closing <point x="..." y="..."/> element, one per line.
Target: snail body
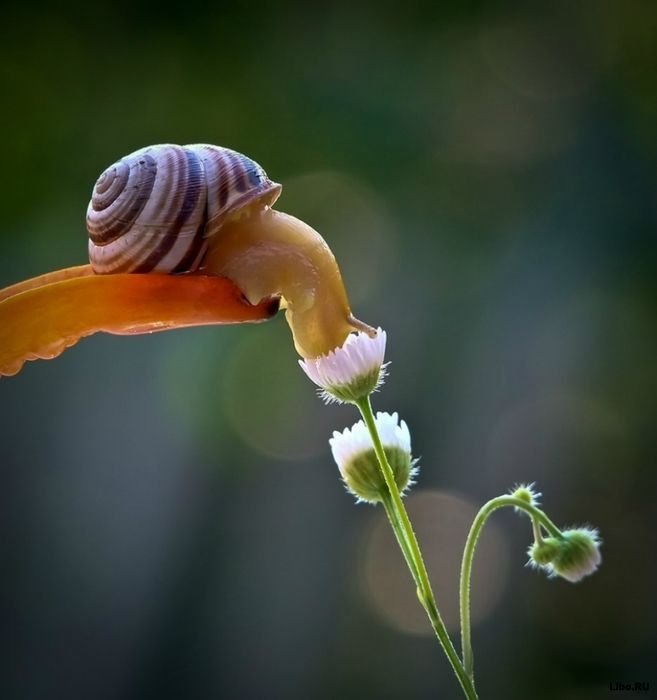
<point x="176" y="209"/>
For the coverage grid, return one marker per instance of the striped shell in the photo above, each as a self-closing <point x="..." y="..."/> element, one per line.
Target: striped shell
<point x="154" y="210"/>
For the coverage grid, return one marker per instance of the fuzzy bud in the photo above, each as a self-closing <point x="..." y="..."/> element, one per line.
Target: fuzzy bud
<point x="573" y="556"/>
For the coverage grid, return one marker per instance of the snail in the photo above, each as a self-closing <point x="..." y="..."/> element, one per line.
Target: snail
<point x="203" y="208"/>
<point x="178" y="236"/>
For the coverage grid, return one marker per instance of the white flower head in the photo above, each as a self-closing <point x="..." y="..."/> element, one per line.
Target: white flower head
<point x="354" y="454"/>
<point x="351" y="372"/>
<point x="573" y="556"/>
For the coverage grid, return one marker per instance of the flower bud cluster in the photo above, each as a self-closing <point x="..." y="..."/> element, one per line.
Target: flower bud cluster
<point x="572" y="556"/>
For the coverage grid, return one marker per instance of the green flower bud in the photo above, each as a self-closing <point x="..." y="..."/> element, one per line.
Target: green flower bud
<point x="526" y="493"/>
<point x="573" y="556"/>
<point x="542" y="553"/>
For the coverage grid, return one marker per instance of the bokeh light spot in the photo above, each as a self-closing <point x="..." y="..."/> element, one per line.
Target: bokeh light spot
<point x="534" y="59"/>
<point x="267" y="399"/>
<point x="355" y="222"/>
<point x="441" y="521"/>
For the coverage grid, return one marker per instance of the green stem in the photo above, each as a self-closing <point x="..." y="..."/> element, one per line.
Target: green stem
<point x="400" y="535"/>
<point x="538" y="518"/>
<point x="404" y="531"/>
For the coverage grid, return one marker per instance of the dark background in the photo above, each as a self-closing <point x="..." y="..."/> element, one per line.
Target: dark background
<point x="171" y="522"/>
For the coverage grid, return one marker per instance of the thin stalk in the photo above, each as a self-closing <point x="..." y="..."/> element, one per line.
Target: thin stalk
<point x="418" y="570"/>
<point x="400" y="535"/>
<point x="538" y="518"/>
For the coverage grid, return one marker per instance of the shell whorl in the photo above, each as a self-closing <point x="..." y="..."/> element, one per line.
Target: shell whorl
<point x="154" y="210"/>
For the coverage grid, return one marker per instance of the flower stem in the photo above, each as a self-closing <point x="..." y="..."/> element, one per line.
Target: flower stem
<point x="400" y="535"/>
<point x="538" y="518"/>
<point x="408" y="543"/>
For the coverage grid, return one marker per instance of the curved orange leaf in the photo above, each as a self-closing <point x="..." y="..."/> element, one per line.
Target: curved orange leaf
<point x="40" y="318"/>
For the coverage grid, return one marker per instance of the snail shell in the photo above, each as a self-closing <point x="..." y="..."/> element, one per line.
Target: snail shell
<point x="156" y="209"/>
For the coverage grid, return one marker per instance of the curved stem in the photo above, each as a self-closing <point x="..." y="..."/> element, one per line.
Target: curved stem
<point x="538" y="518"/>
<point x="411" y="550"/>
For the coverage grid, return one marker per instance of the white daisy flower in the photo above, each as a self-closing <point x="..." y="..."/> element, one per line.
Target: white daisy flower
<point x="354" y="454"/>
<point x="351" y="372"/>
<point x="574" y="556"/>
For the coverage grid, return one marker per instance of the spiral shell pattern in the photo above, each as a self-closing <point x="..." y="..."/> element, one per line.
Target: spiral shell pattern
<point x="155" y="209"/>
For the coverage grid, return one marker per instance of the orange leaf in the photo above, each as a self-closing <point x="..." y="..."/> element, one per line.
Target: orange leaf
<point x="41" y="317"/>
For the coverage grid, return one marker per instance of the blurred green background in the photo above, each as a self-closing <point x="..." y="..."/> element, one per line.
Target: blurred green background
<point x="171" y="522"/>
